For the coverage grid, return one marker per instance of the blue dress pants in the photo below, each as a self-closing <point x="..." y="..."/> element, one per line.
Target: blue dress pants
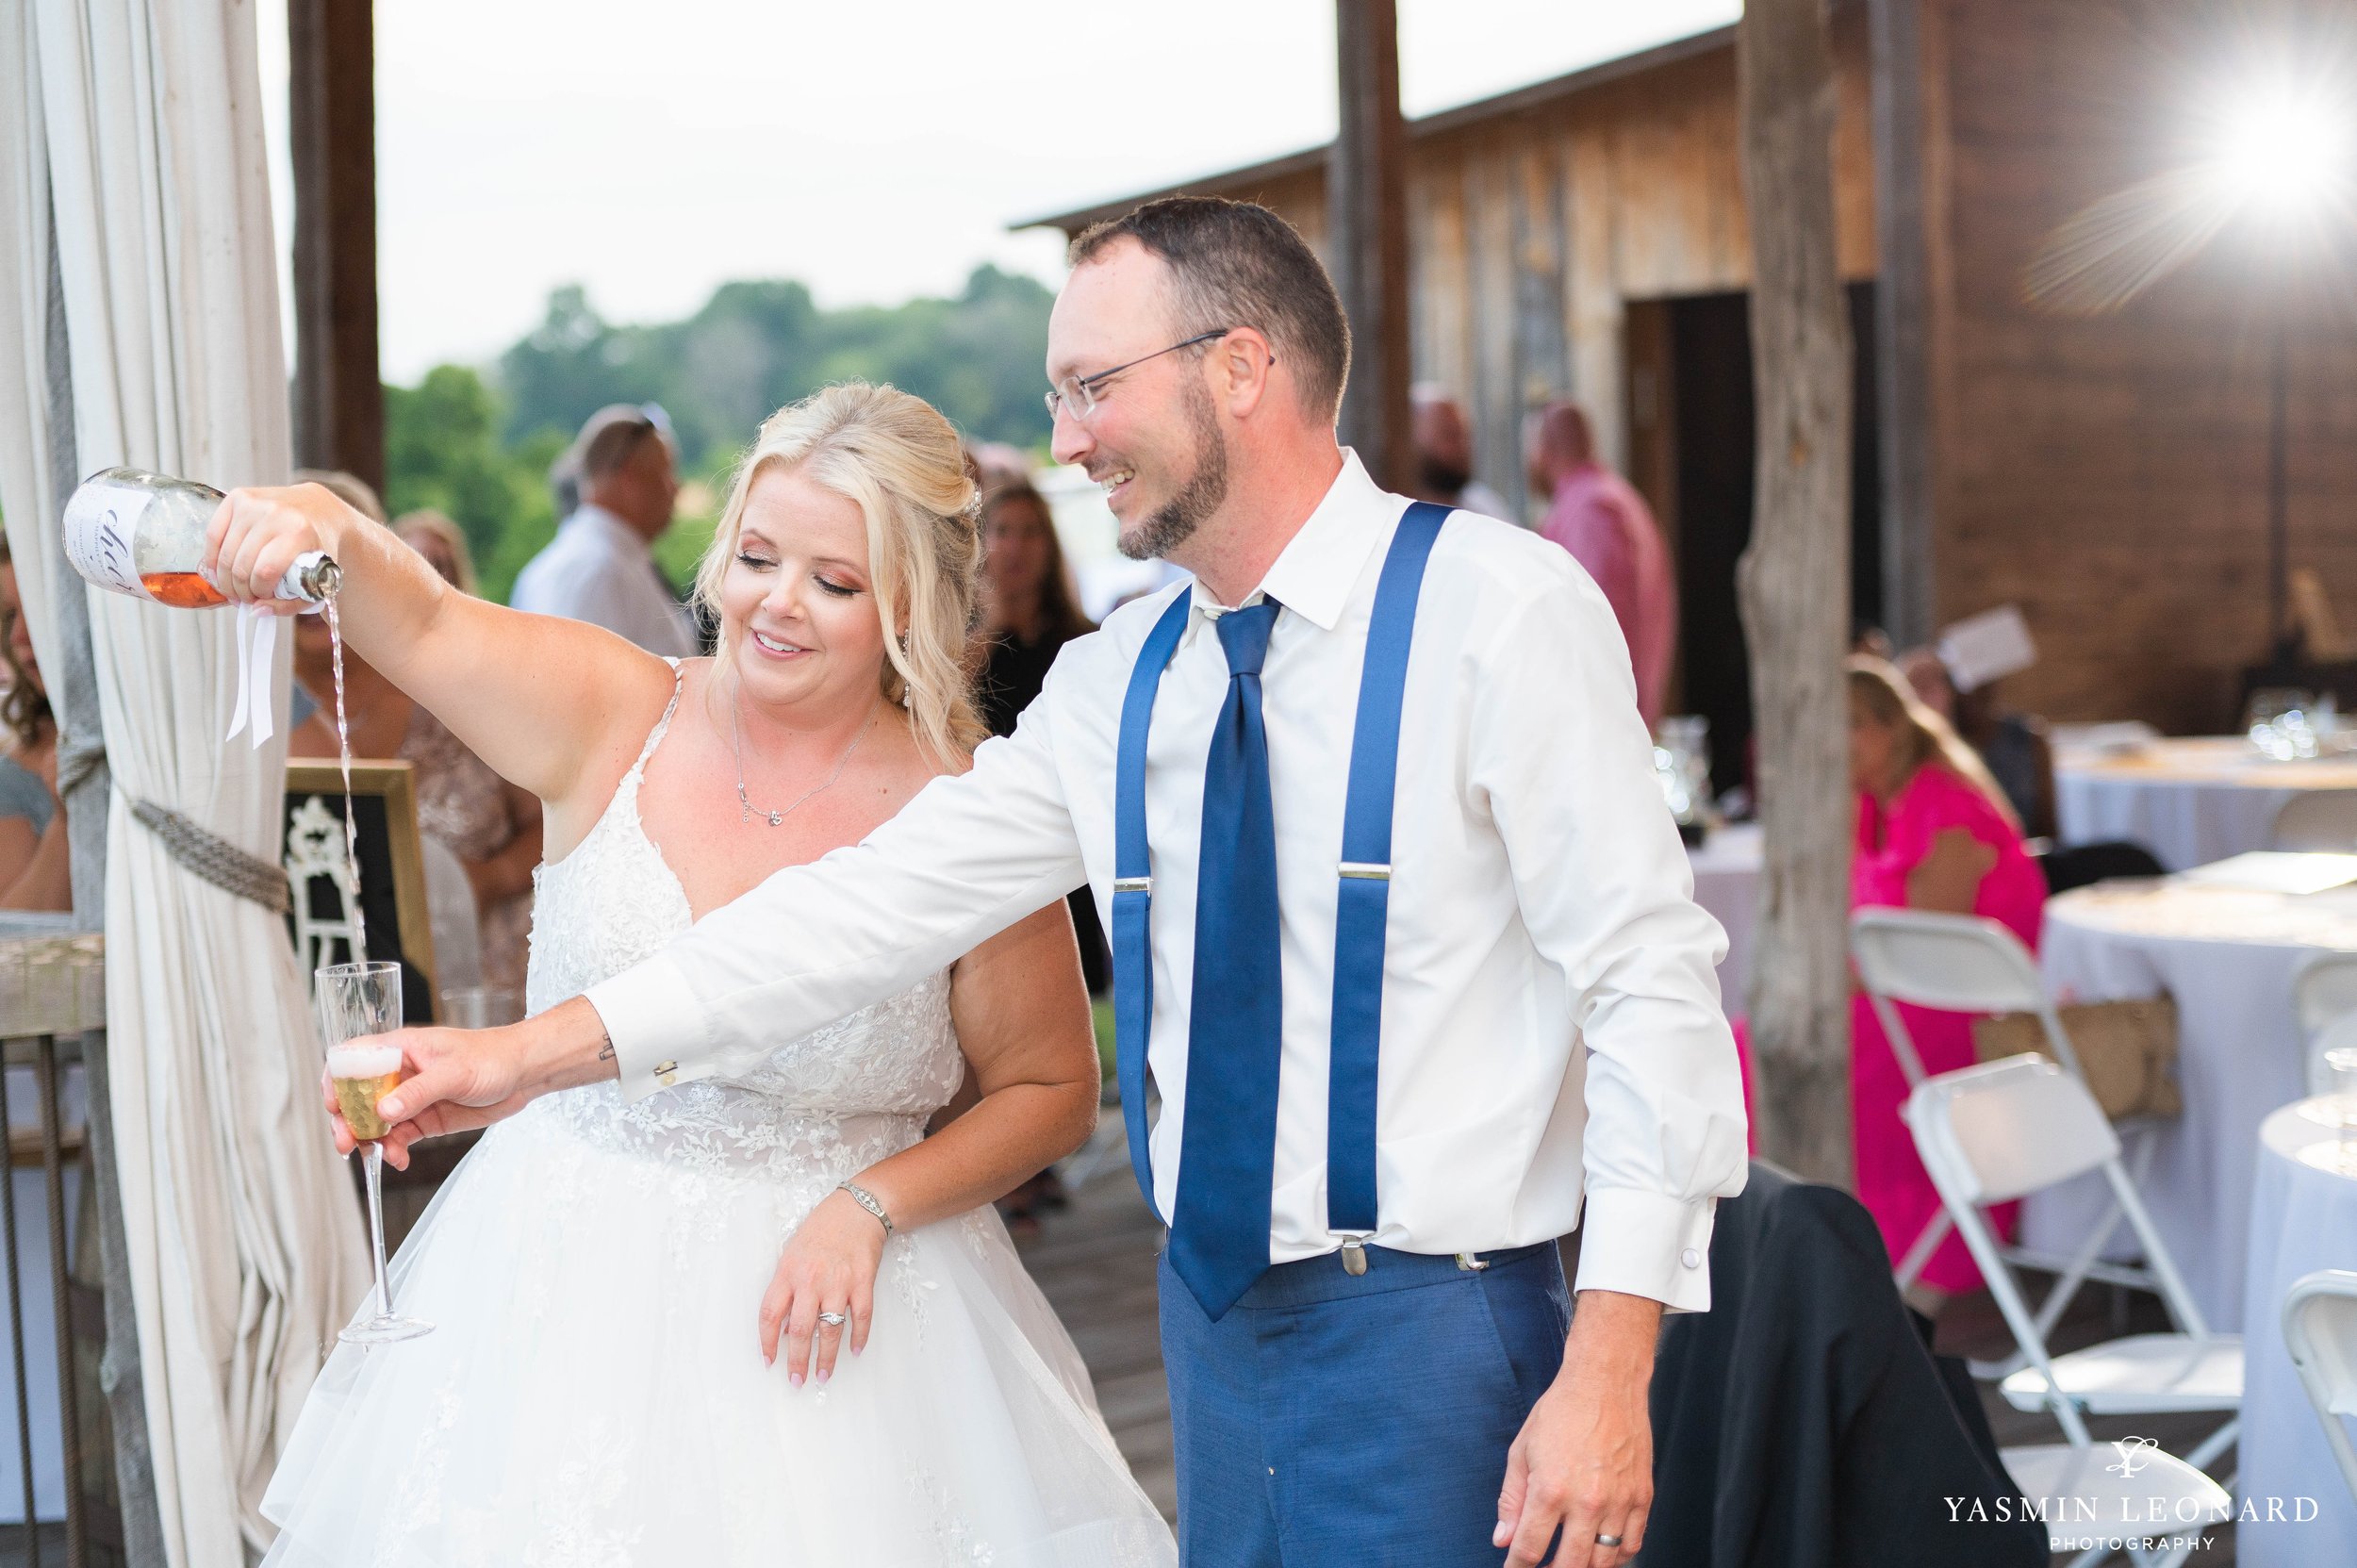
<point x="1333" y="1419"/>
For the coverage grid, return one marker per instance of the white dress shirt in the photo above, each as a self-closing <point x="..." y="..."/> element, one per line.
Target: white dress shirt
<point x="597" y="569"/>
<point x="1551" y="1023"/>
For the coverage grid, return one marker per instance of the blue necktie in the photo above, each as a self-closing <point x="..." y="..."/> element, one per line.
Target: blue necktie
<point x="1219" y="1232"/>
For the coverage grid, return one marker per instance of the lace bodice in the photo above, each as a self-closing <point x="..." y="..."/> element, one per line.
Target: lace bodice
<point x="817" y="1110"/>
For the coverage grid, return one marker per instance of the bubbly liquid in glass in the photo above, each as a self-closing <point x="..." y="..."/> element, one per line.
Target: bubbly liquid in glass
<point x="362" y="1078"/>
<point x="343" y="749"/>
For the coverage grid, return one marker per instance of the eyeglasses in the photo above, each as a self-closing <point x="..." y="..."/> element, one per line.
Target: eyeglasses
<point x="1078" y="395"/>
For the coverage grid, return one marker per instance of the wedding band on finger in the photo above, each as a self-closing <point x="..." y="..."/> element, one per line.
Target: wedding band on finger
<point x="836" y="1320"/>
<point x="1607" y="1541"/>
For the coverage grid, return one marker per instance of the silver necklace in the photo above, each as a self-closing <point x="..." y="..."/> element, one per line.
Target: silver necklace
<point x="736" y="744"/>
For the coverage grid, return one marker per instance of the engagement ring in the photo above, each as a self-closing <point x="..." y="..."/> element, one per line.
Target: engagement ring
<point x="836" y="1320"/>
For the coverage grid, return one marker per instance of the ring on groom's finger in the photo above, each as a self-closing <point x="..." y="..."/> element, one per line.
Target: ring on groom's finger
<point x="1607" y="1541"/>
<point x="836" y="1320"/>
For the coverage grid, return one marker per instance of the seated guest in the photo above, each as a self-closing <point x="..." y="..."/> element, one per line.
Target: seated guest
<point x="1935" y="833"/>
<point x="491" y="826"/>
<point x="35" y="869"/>
<point x="1445" y="456"/>
<point x="600" y="567"/>
<point x="443" y="543"/>
<point x="2014" y="745"/>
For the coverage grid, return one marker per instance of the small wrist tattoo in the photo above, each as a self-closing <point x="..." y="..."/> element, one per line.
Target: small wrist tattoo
<point x="605" y="1048"/>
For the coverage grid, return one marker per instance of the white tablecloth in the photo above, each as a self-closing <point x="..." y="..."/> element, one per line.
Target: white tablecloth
<point x="2227" y="957"/>
<point x="2190" y="802"/>
<point x="2301" y="1219"/>
<point x="1727" y="882"/>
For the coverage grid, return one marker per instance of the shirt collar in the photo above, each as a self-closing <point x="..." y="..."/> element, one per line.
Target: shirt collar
<point x="1315" y="574"/>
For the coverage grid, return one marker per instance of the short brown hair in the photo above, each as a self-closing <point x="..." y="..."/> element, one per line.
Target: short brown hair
<point x="1239" y="264"/>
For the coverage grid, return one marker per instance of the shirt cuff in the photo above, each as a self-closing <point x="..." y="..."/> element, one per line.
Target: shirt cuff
<point x="656" y="1025"/>
<point x="1649" y="1244"/>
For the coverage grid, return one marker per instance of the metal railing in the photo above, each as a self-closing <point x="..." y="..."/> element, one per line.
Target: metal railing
<point x="52" y="1003"/>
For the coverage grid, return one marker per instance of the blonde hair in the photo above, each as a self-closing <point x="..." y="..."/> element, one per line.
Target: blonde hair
<point x="451" y="536"/>
<point x="1878" y="688"/>
<point x="898" y="461"/>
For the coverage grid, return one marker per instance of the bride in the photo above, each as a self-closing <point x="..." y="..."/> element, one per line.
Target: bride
<point x="626" y="1368"/>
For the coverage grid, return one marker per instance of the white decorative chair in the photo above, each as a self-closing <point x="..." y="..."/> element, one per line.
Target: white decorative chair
<point x="2320" y="1331"/>
<point x="1964" y="963"/>
<point x="2317" y="821"/>
<point x="315" y="849"/>
<point x="2000" y="1130"/>
<point x="2324" y="992"/>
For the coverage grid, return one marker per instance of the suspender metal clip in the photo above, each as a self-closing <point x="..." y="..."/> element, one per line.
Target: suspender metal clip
<point x="1353" y="1255"/>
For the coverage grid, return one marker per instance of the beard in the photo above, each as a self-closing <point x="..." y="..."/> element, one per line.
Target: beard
<point x="1443" y="477"/>
<point x="1175" y="521"/>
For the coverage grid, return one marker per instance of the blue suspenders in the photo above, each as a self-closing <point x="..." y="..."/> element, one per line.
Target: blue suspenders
<point x="1366" y="882"/>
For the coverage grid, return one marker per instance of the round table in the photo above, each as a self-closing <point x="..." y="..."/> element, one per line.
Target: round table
<point x="2189" y="801"/>
<point x="1727" y="882"/>
<point x="2303" y="1218"/>
<point x="2227" y="957"/>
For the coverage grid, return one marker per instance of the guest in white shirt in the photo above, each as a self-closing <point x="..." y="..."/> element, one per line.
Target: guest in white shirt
<point x="1352" y="1377"/>
<point x="599" y="567"/>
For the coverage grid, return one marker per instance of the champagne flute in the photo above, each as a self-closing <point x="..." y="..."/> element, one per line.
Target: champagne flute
<point x="355" y="1001"/>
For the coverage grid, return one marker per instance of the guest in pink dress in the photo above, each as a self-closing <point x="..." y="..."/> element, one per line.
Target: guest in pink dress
<point x="1934" y="832"/>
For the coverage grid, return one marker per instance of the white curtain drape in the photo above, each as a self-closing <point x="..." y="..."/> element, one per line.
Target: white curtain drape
<point x="142" y="121"/>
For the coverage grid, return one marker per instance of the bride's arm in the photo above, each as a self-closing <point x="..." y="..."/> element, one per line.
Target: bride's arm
<point x="1023" y="1021"/>
<point x="537" y="697"/>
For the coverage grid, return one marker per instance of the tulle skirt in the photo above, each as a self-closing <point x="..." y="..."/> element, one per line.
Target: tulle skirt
<point x="593" y="1394"/>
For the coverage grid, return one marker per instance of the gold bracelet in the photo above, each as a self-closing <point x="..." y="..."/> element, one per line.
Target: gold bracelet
<point x="866" y="1200"/>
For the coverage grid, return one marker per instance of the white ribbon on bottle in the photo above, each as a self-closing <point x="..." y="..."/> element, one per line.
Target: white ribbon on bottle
<point x="257" y="636"/>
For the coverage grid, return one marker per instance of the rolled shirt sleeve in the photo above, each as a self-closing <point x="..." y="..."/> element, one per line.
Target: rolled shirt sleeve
<point x="1606" y="893"/>
<point x="966" y="858"/>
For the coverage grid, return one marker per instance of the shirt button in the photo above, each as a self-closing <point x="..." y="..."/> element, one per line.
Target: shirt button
<point x="1691" y="1257"/>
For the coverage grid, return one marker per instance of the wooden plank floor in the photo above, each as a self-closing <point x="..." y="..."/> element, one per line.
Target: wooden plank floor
<point x="1095" y="1260"/>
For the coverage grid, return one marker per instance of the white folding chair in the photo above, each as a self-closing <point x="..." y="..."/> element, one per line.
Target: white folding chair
<point x="2318" y="819"/>
<point x="1964" y="963"/>
<point x="2320" y="1331"/>
<point x="1999" y="1130"/>
<point x="2324" y="992"/>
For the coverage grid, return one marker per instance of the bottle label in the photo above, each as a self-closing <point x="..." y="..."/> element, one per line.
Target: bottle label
<point x="101" y="520"/>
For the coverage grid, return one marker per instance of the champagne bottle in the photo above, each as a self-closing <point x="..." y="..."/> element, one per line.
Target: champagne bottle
<point x="143" y="535"/>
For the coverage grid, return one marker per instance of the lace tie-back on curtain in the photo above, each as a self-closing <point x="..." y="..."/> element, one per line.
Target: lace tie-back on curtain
<point x="141" y="121"/>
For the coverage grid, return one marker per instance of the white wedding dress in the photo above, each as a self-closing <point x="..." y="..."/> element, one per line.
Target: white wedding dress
<point x="593" y="1394"/>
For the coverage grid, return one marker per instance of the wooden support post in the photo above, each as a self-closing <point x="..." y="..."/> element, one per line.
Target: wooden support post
<point x="339" y="401"/>
<point x="1794" y="585"/>
<point x="1366" y="194"/>
<point x="1902" y="323"/>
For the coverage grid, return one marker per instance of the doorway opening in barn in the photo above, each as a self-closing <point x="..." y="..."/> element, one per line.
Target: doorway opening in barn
<point x="1690" y="452"/>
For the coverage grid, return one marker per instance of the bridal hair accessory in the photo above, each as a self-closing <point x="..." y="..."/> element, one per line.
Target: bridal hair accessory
<point x="866" y="1200"/>
<point x="748" y="810"/>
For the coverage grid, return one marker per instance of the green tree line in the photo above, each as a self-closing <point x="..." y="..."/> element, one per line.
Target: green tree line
<point x="477" y="443"/>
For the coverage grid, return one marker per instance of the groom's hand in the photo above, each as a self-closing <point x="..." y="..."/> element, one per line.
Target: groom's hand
<point x="1583" y="1463"/>
<point x="456" y="1080"/>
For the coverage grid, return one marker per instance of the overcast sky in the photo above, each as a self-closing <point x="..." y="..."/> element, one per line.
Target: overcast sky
<point x="874" y="152"/>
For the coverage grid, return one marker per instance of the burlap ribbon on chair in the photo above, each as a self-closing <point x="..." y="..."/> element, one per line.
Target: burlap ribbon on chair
<point x="2127" y="1049"/>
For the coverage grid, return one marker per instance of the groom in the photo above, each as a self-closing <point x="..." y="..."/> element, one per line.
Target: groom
<point x="1402" y="932"/>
